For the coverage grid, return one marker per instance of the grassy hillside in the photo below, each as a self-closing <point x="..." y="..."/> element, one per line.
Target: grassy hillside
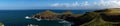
<point x="107" y="17"/>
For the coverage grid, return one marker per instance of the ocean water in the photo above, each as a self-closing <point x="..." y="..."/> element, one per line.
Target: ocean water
<point x="17" y="17"/>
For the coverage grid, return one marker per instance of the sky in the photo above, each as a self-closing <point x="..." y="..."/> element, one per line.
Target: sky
<point x="58" y="4"/>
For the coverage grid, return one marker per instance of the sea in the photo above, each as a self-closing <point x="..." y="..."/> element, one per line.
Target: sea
<point x="17" y="17"/>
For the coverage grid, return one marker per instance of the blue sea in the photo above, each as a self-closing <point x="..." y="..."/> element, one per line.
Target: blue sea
<point x="17" y="17"/>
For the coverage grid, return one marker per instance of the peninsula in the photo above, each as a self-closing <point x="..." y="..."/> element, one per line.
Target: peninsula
<point x="106" y="17"/>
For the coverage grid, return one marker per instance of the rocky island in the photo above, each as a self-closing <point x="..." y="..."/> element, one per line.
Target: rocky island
<point x="106" y="17"/>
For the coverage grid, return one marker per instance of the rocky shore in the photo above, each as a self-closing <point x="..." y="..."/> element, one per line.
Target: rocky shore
<point x="106" y="17"/>
<point x="53" y="16"/>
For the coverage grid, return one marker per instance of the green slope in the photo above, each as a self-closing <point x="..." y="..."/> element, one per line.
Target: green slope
<point x="97" y="21"/>
<point x="1" y="24"/>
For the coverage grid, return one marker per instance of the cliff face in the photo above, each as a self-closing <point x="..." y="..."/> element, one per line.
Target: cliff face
<point x="89" y="18"/>
<point x="52" y="15"/>
<point x="46" y="15"/>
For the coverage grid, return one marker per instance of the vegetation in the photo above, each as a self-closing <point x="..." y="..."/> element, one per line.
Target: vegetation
<point x="95" y="18"/>
<point x="1" y="24"/>
<point x="100" y="17"/>
<point x="97" y="21"/>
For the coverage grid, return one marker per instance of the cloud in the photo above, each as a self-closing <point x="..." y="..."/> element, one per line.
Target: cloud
<point x="90" y="5"/>
<point x="75" y="4"/>
<point x="85" y="3"/>
<point x="71" y="5"/>
<point x="109" y="3"/>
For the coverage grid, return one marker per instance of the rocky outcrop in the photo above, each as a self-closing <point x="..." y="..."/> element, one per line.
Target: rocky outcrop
<point x="107" y="17"/>
<point x="46" y="15"/>
<point x="52" y="15"/>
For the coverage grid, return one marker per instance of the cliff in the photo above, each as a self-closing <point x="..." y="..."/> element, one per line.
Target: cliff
<point x="52" y="15"/>
<point x="106" y="17"/>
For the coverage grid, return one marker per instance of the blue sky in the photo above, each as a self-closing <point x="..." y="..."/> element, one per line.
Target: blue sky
<point x="58" y="4"/>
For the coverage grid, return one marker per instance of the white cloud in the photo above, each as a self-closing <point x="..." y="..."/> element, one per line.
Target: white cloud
<point x="109" y="3"/>
<point x="75" y="4"/>
<point x="86" y="4"/>
<point x="56" y="4"/>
